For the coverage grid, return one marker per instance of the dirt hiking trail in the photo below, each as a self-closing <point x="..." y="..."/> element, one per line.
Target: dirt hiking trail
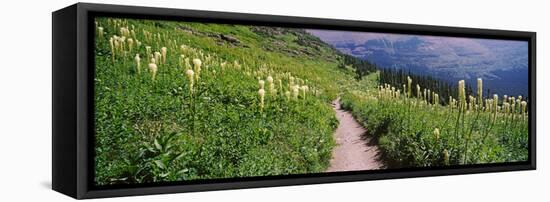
<point x="352" y="151"/>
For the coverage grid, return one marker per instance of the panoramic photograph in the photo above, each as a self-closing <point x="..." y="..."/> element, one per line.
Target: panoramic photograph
<point x="181" y="101"/>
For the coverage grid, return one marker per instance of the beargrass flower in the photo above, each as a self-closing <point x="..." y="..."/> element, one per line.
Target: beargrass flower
<point x="480" y="91"/>
<point x="130" y="44"/>
<point x="271" y="85"/>
<point x="197" y="65"/>
<point x="462" y="94"/>
<point x="261" y="92"/>
<point x="112" y="44"/>
<point x="436" y="133"/>
<point x="445" y="157"/>
<point x="523" y="107"/>
<point x="504" y="99"/>
<point x="163" y="54"/>
<point x="138" y="64"/>
<point x="409" y="82"/>
<point x="261" y="83"/>
<point x="153" y="68"/>
<point x="304" y="90"/>
<point x="417" y="90"/>
<point x="100" y="32"/>
<point x="506" y="107"/>
<point x="148" y="50"/>
<point x="295" y="92"/>
<point x="190" y="74"/>
<point x="158" y="57"/>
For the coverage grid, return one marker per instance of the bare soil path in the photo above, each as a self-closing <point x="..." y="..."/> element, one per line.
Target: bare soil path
<point x="352" y="151"/>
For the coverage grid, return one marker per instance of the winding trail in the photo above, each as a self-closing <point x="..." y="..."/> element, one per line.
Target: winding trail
<point x="353" y="151"/>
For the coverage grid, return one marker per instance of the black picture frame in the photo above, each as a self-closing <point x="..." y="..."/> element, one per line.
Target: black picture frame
<point x="72" y="99"/>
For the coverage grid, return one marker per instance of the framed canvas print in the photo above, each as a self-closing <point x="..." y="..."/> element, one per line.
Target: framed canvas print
<point x="155" y="100"/>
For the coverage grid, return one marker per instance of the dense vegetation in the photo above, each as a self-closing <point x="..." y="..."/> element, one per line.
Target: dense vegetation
<point x="182" y="101"/>
<point x="395" y="77"/>
<point x="420" y="131"/>
<point x="359" y="66"/>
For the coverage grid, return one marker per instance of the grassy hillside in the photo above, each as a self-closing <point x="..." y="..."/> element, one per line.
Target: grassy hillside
<point x="153" y="125"/>
<point x="182" y="101"/>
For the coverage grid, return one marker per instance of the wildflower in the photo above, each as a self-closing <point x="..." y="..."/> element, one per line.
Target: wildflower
<point x="409" y="82"/>
<point x="197" y="66"/>
<point x="472" y="100"/>
<point x="148" y="50"/>
<point x="462" y="94"/>
<point x="163" y="54"/>
<point x="130" y="44"/>
<point x="304" y="90"/>
<point x="157" y="57"/>
<point x="183" y="48"/>
<point x="417" y="90"/>
<point x="261" y="83"/>
<point x="181" y="60"/>
<point x="295" y="91"/>
<point x="397" y="93"/>
<point x="138" y="64"/>
<point x="112" y="44"/>
<point x="119" y="43"/>
<point x="425" y="95"/>
<point x="271" y="85"/>
<point x="506" y="107"/>
<point x="189" y="74"/>
<point x="480" y="91"/>
<point x="153" y="67"/>
<point x="523" y="107"/>
<point x="445" y="157"/>
<point x="187" y="63"/>
<point x="436" y="133"/>
<point x="124" y="31"/>
<point x="504" y="99"/>
<point x="495" y="103"/>
<point x="261" y="92"/>
<point x="436" y="98"/>
<point x="100" y="32"/>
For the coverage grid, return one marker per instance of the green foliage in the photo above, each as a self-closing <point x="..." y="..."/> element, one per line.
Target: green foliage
<point x="155" y="128"/>
<point x="405" y="130"/>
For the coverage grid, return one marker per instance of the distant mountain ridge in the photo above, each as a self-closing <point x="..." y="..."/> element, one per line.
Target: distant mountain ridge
<point x="503" y="64"/>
